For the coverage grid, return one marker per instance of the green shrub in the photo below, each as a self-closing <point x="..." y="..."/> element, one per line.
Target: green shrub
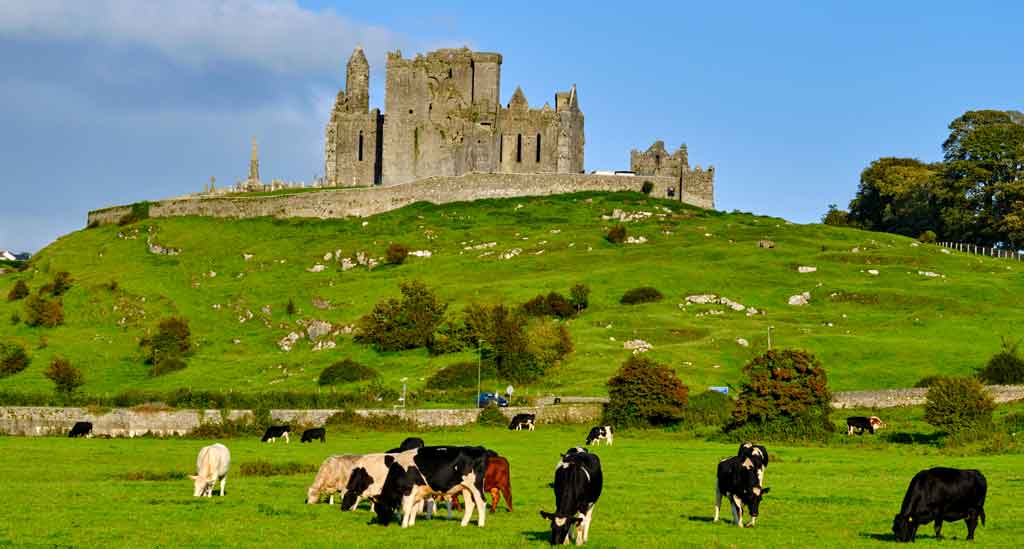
<point x="396" y="325"/>
<point x="616" y="235"/>
<point x="554" y="304"/>
<point x="927" y="381"/>
<point x="708" y="408"/>
<point x="1014" y="422"/>
<point x="396" y="254"/>
<point x="346" y="371"/>
<point x="548" y="342"/>
<point x="260" y="468"/>
<point x="13" y="359"/>
<point x="15" y="318"/>
<point x="491" y="416"/>
<point x="61" y="283"/>
<point x="579" y="297"/>
<point x="166" y="365"/>
<point x="39" y="311"/>
<point x="959" y="406"/>
<point x="461" y="375"/>
<point x="647" y="187"/>
<point x="1005" y="367"/>
<point x="153" y="476"/>
<point x="18" y="291"/>
<point x="644" y="294"/>
<point x="785" y="395"/>
<point x="452" y="336"/>
<point x="139" y="211"/>
<point x="927" y="237"/>
<point x="348" y="420"/>
<point x="65" y="377"/>
<point x="172" y="340"/>
<point x="644" y="393"/>
<point x="290" y="307"/>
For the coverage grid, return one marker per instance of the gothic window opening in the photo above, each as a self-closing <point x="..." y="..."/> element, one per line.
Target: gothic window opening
<point x="519" y="147"/>
<point x="538" y="149"/>
<point x="360" y="146"/>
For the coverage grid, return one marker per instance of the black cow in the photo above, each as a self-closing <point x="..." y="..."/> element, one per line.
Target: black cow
<point x="738" y="481"/>
<point x="597" y="434"/>
<point x="410" y="443"/>
<point x="578" y="483"/>
<point x="523" y="421"/>
<point x="758" y="456"/>
<point x="275" y="432"/>
<point x="309" y="435"/>
<point x="941" y="494"/>
<point x="81" y="429"/>
<point x="418" y="475"/>
<point x="859" y="424"/>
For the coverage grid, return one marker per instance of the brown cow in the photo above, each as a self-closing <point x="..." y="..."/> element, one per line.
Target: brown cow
<point x="496" y="482"/>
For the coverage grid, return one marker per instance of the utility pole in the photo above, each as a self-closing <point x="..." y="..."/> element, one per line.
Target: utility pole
<point x="770" y="328"/>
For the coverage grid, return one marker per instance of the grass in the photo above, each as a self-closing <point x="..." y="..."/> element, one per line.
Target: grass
<point x="658" y="492"/>
<point x="870" y="332"/>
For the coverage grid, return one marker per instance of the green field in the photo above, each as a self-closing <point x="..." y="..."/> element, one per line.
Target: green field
<point x="870" y="332"/>
<point x="658" y="493"/>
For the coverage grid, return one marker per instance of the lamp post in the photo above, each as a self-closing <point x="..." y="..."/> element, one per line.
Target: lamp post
<point x="479" y="363"/>
<point x="770" y="328"/>
<point x="404" y="385"/>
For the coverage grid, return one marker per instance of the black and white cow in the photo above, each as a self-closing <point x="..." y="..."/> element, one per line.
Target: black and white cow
<point x="738" y="481"/>
<point x="523" y="421"/>
<point x="597" y="434"/>
<point x="416" y="476"/>
<point x="578" y="483"/>
<point x="410" y="443"/>
<point x="318" y="433"/>
<point x="859" y="424"/>
<point x="758" y="456"/>
<point x="275" y="432"/>
<point x="81" y="429"/>
<point x="941" y="494"/>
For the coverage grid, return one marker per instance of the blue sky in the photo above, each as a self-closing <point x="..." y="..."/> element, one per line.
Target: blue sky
<point x="109" y="101"/>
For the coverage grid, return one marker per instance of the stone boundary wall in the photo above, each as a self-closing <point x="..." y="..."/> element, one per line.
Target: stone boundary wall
<point x="892" y="398"/>
<point x="129" y="422"/>
<point x="340" y="203"/>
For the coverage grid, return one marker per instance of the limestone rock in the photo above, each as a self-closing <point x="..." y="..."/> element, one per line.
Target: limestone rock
<point x="872" y="272"/>
<point x="325" y="344"/>
<point x="742" y="342"/>
<point x="805" y="269"/>
<point x="637" y="346"/>
<point x="422" y="253"/>
<point x="510" y="253"/>
<point x="732" y="304"/>
<point x="765" y="244"/>
<point x="636" y="240"/>
<point x="321" y="303"/>
<point x="800" y="299"/>
<point x="247" y="257"/>
<point x="288" y="341"/>
<point x="318" y="268"/>
<point x="703" y="299"/>
<point x="930" y="274"/>
<point x="317" y="329"/>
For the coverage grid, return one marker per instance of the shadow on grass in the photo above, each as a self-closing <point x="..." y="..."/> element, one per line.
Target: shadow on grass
<point x="702" y="518"/>
<point x="878" y="537"/>
<point x="544" y="535"/>
<point x="931" y="439"/>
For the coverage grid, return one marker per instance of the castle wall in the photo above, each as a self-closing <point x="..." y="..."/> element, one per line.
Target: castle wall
<point x="340" y="203"/>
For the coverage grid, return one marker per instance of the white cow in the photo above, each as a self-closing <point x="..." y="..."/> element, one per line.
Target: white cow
<point x="332" y="477"/>
<point x="211" y="466"/>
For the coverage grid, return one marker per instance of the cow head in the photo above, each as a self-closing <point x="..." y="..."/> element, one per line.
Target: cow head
<point x="876" y="422"/>
<point x="904" y="528"/>
<point x="560" y="527"/>
<point x="202" y="486"/>
<point x="753" y="499"/>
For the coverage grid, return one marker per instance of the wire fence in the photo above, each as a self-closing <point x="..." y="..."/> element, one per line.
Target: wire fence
<point x="974" y="249"/>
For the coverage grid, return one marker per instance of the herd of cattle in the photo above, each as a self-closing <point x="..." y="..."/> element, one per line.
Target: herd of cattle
<point x="413" y="477"/>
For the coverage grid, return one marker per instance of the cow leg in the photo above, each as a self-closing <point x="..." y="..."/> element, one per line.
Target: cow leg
<point x="223" y="482"/>
<point x="450" y="506"/>
<point x="478" y="500"/>
<point x="737" y="510"/>
<point x="470" y="504"/>
<point x="938" y="527"/>
<point x="972" y="523"/>
<point x="495" y="496"/>
<point x="507" y="491"/>
<point x="287" y="439"/>
<point x="585" y="525"/>
<point x="330" y="500"/>
<point x="718" y="501"/>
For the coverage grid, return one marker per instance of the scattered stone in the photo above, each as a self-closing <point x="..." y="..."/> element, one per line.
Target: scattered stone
<point x="365" y="223"/>
<point x="236" y="341"/>
<point x="155" y="248"/>
<point x="855" y="250"/>
<point x="245" y="317"/>
<point x="211" y="274"/>
<point x="539" y="252"/>
<point x="318" y="268"/>
<point x="637" y="346"/>
<point x="347" y="329"/>
<point x="731" y="304"/>
<point x="717" y="366"/>
<point x="765" y="244"/>
<point x="872" y="272"/>
<point x="914" y="244"/>
<point x="266" y="310"/>
<point x="625" y="217"/>
<point x="929" y="274"/>
<point x="421" y="253"/>
<point x="481" y="246"/>
<point x="742" y="342"/>
<point x="511" y="253"/>
<point x="321" y="303"/>
<point x="328" y="256"/>
<point x="708" y="235"/>
<point x="703" y="299"/>
<point x="347" y="264"/>
<point x="636" y="240"/>
<point x="288" y="341"/>
<point x="216" y="306"/>
<point x="317" y="329"/>
<point x="712" y="312"/>
<point x="556" y="231"/>
<point x="800" y="299"/>
<point x="804" y="269"/>
<point x="247" y="257"/>
<point x="325" y="344"/>
<point x="751" y="311"/>
<point x="943" y="250"/>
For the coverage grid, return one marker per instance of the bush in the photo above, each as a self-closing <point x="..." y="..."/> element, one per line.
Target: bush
<point x="645" y="393"/>
<point x="927" y="237"/>
<point x="451" y="337"/>
<point x="647" y="187"/>
<point x="579" y="297"/>
<point x="548" y="342"/>
<point x="39" y="311"/>
<point x="927" y="381"/>
<point x="708" y="408"/>
<point x="959" y="406"/>
<point x="346" y="371"/>
<point x="396" y="253"/>
<point x="554" y="304"/>
<point x="166" y="365"/>
<point x="65" y="377"/>
<point x="260" y="468"/>
<point x="1005" y="367"/>
<point x="461" y="375"/>
<point x="519" y="351"/>
<point x="785" y="395"/>
<point x="15" y="318"/>
<point x="290" y="307"/>
<point x="616" y="235"/>
<point x="491" y="416"/>
<point x="395" y="325"/>
<point x="172" y="340"/>
<point x="644" y="294"/>
<point x="13" y="359"/>
<point x="351" y="421"/>
<point x="19" y="291"/>
<point x="836" y="217"/>
<point x="61" y="284"/>
<point x="139" y="211"/>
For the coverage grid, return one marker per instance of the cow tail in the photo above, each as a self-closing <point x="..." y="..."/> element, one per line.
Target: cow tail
<point x="982" y="513"/>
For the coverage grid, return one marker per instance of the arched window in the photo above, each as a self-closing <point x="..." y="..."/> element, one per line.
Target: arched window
<point x="360" y="146"/>
<point x="538" y="148"/>
<point x="519" y="147"/>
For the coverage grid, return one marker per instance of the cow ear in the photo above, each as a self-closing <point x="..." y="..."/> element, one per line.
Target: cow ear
<point x="546" y="515"/>
<point x="765" y="491"/>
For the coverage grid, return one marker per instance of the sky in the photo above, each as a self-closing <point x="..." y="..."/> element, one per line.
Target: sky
<point x="109" y="101"/>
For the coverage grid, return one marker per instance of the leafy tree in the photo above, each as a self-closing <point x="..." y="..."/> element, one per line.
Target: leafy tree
<point x="644" y="393"/>
<point x="13" y="358"/>
<point x="1005" y="367"/>
<point x="346" y="371"/>
<point x="616" y="235"/>
<point x="396" y="253"/>
<point x="172" y="340"/>
<point x="579" y="297"/>
<point x="958" y="405"/>
<point x="783" y="383"/>
<point x="39" y="311"/>
<point x="65" y="377"/>
<point x="897" y="195"/>
<point x="396" y="325"/>
<point x="836" y="217"/>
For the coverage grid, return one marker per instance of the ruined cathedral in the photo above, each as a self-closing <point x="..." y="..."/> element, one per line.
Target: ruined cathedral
<point x="443" y="116"/>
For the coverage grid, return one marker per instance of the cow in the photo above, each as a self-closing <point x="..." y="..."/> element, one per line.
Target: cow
<point x="758" y="455"/>
<point x="416" y="476"/>
<point x="597" y="434"/>
<point x="81" y="429"/>
<point x="332" y="477"/>
<point x="309" y="435"/>
<point x="410" y="443"/>
<point x="366" y="479"/>
<point x="859" y="424"/>
<point x="211" y="465"/>
<point x="275" y="432"/>
<point x="523" y="421"/>
<point x="496" y="483"/>
<point x="578" y="483"/>
<point x="941" y="494"/>
<point x="738" y="480"/>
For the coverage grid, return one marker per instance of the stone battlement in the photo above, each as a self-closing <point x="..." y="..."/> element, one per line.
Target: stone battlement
<point x="362" y="202"/>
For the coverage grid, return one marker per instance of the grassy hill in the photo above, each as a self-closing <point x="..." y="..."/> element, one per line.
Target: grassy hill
<point x="870" y="331"/>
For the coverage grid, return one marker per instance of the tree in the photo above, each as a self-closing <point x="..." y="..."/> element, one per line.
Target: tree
<point x="897" y="195"/>
<point x="65" y="377"/>
<point x="13" y="358"/>
<point x="172" y="340"/>
<point x="783" y="383"/>
<point x="396" y="253"/>
<point x="396" y="325"/>
<point x="644" y="393"/>
<point x="836" y="217"/>
<point x="39" y="311"/>
<point x="959" y="405"/>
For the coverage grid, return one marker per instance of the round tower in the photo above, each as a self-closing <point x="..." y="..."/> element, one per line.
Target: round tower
<point x="357" y="82"/>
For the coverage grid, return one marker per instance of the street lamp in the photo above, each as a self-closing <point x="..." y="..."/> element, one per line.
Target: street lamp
<point x="404" y="385"/>
<point x="479" y="363"/>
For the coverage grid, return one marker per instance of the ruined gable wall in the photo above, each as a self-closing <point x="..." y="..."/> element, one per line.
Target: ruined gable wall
<point x="353" y="152"/>
<point x="523" y="131"/>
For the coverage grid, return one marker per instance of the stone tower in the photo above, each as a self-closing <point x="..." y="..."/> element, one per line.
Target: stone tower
<point x="352" y="149"/>
<point x="254" y="165"/>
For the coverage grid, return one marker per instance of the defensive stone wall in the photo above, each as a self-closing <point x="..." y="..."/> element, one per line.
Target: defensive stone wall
<point x="340" y="203"/>
<point x="892" y="398"/>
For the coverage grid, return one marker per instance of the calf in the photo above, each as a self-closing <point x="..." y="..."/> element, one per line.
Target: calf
<point x="496" y="483"/>
<point x="410" y="443"/>
<point x="416" y="476"/>
<point x="332" y="477"/>
<point x="275" y="432"/>
<point x="309" y="435"/>
<point x="597" y="434"/>
<point x="941" y="494"/>
<point x="861" y="424"/>
<point x="81" y="429"/>
<point x="738" y="481"/>
<point x="758" y="456"/>
<point x="523" y="421"/>
<point x="211" y="466"/>
<point x="578" y="483"/>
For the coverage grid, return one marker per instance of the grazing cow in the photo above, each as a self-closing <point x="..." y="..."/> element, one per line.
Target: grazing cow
<point x="275" y="432"/>
<point x="758" y="456"/>
<point x="410" y="443"/>
<point x="416" y="476"/>
<point x="366" y="479"/>
<point x="597" y="434"/>
<point x="496" y="483"/>
<point x="578" y="483"/>
<point x="738" y="481"/>
<point x="332" y="477"/>
<point x="523" y="421"/>
<point x="309" y="435"/>
<point x="941" y="494"/>
<point x="861" y="424"/>
<point x="81" y="429"/>
<point x="211" y="466"/>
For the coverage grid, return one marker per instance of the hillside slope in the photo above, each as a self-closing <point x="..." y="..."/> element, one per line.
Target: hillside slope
<point x="870" y="331"/>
